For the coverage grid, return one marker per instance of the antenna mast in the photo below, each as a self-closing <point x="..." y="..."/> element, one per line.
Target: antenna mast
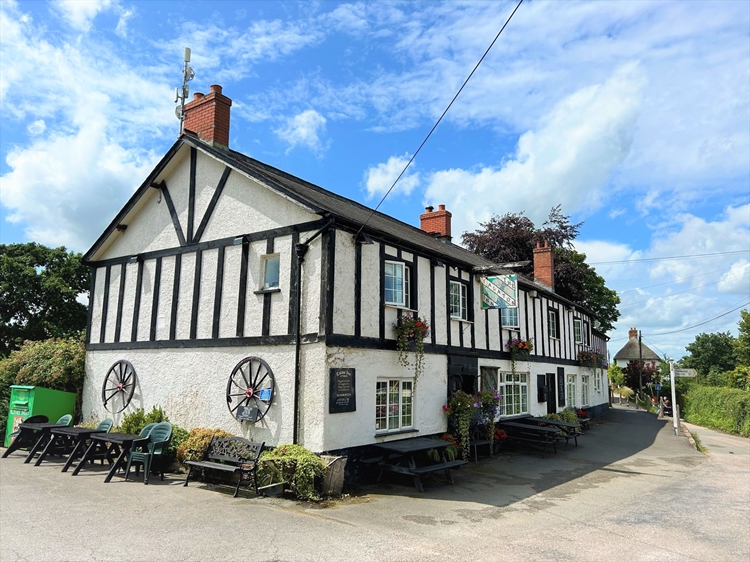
<point x="180" y="95"/>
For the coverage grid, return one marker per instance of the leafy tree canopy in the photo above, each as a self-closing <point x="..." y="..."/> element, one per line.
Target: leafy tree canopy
<point x="39" y="288"/>
<point x="513" y="236"/>
<point x="711" y="351"/>
<point x="633" y="376"/>
<point x="742" y="343"/>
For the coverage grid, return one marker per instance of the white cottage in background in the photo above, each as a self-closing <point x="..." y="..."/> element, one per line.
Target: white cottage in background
<point x="235" y="295"/>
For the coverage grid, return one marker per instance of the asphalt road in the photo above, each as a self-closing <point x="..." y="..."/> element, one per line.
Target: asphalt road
<point x="631" y="491"/>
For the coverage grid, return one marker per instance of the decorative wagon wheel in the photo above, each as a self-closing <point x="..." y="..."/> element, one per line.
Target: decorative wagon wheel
<point x="250" y="389"/>
<point x="119" y="385"/>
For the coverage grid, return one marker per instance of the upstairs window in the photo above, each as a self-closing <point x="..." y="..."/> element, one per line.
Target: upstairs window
<point x="577" y="331"/>
<point x="458" y="304"/>
<point x="271" y="272"/>
<point x="586" y="332"/>
<point x="552" y="326"/>
<point x="509" y="317"/>
<point x="397" y="282"/>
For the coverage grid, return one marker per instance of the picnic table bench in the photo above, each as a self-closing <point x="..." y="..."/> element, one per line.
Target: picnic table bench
<point x="537" y="434"/>
<point x="234" y="455"/>
<point x="405" y="454"/>
<point x="567" y="430"/>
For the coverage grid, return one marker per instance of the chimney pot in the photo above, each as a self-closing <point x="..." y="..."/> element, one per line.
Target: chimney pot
<point x="198" y="95"/>
<point x="215" y="89"/>
<point x="429" y="209"/>
<point x="441" y="207"/>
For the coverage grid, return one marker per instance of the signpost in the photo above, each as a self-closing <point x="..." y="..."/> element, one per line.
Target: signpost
<point x="675" y="409"/>
<point x="685" y="373"/>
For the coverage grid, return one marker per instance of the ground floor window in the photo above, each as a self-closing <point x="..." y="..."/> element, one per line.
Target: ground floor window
<point x="598" y="381"/>
<point x="393" y="405"/>
<point x="584" y="390"/>
<point x="570" y="397"/>
<point x="514" y="394"/>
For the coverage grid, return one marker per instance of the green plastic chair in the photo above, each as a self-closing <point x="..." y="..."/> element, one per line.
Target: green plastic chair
<point x="105" y="426"/>
<point x="147" y="429"/>
<point x="100" y="452"/>
<point x="65" y="420"/>
<point x="160" y="437"/>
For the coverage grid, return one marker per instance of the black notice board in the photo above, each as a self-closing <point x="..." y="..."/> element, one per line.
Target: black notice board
<point x="342" y="396"/>
<point x="560" y="387"/>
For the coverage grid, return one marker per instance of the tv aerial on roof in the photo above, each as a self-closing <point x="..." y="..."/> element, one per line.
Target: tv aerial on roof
<point x="181" y="94"/>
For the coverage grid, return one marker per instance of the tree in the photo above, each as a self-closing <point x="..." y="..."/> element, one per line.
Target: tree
<point x="512" y="237"/>
<point x="633" y="374"/>
<point x="742" y="343"/>
<point x="39" y="291"/>
<point x="711" y="350"/>
<point x="616" y="375"/>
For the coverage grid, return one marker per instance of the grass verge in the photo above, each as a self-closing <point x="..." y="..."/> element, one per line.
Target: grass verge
<point x="698" y="445"/>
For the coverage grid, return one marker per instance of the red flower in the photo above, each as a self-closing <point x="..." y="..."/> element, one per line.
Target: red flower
<point x="446" y="409"/>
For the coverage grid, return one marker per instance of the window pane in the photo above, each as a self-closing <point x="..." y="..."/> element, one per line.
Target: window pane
<point x="509" y="317"/>
<point x="407" y="286"/>
<point x="271" y="272"/>
<point x="381" y="402"/>
<point x="393" y="404"/>
<point x="394" y="283"/>
<point x="489" y="378"/>
<point x="406" y="399"/>
<point x="455" y="303"/>
<point x="577" y="330"/>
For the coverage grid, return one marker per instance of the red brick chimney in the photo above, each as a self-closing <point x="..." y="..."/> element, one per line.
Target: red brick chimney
<point x="437" y="223"/>
<point x="208" y="116"/>
<point x="633" y="333"/>
<point x="544" y="265"/>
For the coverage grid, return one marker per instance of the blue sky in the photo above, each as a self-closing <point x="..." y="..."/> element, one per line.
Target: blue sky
<point x="635" y="116"/>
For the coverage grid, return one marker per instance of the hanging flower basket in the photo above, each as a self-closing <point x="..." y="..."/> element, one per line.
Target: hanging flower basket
<point x="411" y="331"/>
<point x="592" y="359"/>
<point x="519" y="350"/>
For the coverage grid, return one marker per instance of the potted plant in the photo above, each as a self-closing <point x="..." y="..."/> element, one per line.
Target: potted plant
<point x="462" y="409"/>
<point x="411" y="330"/>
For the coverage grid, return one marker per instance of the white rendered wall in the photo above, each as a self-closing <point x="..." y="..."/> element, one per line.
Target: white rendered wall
<point x="190" y="385"/>
<point x="343" y="284"/>
<point x="370" y="304"/>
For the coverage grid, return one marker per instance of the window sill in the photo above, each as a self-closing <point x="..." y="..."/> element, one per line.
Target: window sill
<point x="386" y="434"/>
<point x="461" y="320"/>
<point x="267" y="291"/>
<point x="399" y="307"/>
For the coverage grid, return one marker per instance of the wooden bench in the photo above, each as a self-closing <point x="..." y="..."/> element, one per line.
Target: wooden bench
<point x="584" y="422"/>
<point x="567" y="430"/>
<point x="531" y="434"/>
<point x="233" y="455"/>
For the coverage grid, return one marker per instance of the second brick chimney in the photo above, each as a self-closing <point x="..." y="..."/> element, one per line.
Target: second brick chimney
<point x="544" y="265"/>
<point x="437" y="223"/>
<point x="208" y="116"/>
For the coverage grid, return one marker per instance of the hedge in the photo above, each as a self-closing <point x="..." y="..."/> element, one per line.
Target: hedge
<point x="725" y="409"/>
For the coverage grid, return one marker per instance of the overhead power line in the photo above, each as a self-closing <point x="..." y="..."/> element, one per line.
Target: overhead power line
<point x="678" y="280"/>
<point x="702" y="323"/>
<point x="690" y="290"/>
<point x="441" y="117"/>
<point x="689" y="256"/>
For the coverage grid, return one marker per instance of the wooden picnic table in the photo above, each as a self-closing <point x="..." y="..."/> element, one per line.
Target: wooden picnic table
<point x="569" y="430"/>
<point x="538" y="434"/>
<point x="70" y="436"/>
<point x="401" y="457"/>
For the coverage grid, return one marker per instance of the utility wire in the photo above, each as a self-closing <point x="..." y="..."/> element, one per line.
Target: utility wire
<point x="689" y="256"/>
<point x="441" y="118"/>
<point x="702" y="323"/>
<point x="678" y="280"/>
<point x="691" y="289"/>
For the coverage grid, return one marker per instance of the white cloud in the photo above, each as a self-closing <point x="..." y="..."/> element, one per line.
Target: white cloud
<point x="737" y="279"/>
<point x="80" y="13"/>
<point x="566" y="160"/>
<point x="304" y="129"/>
<point x="378" y="179"/>
<point x="67" y="188"/>
<point x="37" y="127"/>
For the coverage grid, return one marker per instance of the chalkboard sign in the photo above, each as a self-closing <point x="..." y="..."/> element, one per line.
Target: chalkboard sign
<point x="342" y="397"/>
<point x="560" y="387"/>
<point x="247" y="413"/>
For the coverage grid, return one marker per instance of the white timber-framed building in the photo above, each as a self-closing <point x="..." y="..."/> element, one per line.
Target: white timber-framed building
<point x="218" y="257"/>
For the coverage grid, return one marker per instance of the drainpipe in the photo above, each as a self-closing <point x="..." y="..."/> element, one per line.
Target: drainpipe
<point x="300" y="249"/>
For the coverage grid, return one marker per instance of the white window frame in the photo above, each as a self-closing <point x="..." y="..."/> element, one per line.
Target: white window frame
<point x="578" y="330"/>
<point x="570" y="395"/>
<point x="598" y="381"/>
<point x="552" y="325"/>
<point x="402" y="404"/>
<point x="507" y="311"/>
<point x="462" y="294"/>
<point x="402" y="273"/>
<point x="265" y="260"/>
<point x="586" y="334"/>
<point x="585" y="395"/>
<point x="513" y="390"/>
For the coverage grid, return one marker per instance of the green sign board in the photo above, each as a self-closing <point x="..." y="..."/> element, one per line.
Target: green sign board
<point x="500" y="291"/>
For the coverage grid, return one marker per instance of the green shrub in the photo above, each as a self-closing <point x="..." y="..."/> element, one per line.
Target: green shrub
<point x="179" y="436"/>
<point x="195" y="446"/>
<point x="56" y="363"/>
<point x="726" y="409"/>
<point x="555" y="417"/>
<point x="295" y="465"/>
<point x="569" y="416"/>
<point x="137" y="420"/>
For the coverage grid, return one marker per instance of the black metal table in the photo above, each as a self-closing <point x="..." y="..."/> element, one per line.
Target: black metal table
<point x="404" y="454"/>
<point x="67" y="435"/>
<point x="117" y="441"/>
<point x="27" y="433"/>
<point x="571" y="430"/>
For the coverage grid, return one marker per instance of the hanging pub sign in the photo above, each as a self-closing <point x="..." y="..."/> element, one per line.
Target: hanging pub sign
<point x="500" y="291"/>
<point x="342" y="397"/>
